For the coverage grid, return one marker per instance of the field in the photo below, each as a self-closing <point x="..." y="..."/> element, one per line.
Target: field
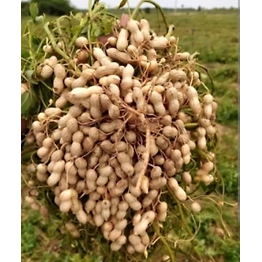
<point x="215" y="35"/>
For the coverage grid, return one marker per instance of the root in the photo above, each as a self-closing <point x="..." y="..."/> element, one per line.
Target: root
<point x="145" y="160"/>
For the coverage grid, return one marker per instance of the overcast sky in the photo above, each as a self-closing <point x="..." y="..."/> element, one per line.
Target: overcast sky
<point x="165" y="3"/>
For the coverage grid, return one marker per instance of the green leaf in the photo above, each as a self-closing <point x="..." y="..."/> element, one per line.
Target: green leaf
<point x="97" y="31"/>
<point x="33" y="9"/>
<point x="122" y="3"/>
<point x="29" y="74"/>
<point x="25" y="102"/>
<point x="36" y="40"/>
<point x="24" y="53"/>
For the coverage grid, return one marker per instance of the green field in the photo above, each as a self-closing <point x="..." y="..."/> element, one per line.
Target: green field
<point x="215" y="35"/>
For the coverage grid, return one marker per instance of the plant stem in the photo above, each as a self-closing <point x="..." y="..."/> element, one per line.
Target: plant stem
<point x="58" y="50"/>
<point x="183" y="217"/>
<point x="210" y="77"/>
<point x="191" y="125"/>
<point x="171" y="253"/>
<point x="137" y="9"/>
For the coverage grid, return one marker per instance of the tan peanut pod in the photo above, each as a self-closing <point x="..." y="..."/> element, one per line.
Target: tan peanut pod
<point x="122" y="40"/>
<point x="119" y="56"/>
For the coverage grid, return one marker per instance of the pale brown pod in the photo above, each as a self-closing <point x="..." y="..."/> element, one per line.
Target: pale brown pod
<point x="162" y="142"/>
<point x="88" y="144"/>
<point x="177" y="75"/>
<point x="195" y="207"/>
<point x="72" y="180"/>
<point x="107" y="226"/>
<point x="91" y="175"/>
<point x="173" y="184"/>
<point x="176" y="155"/>
<point x="122" y="40"/>
<point x="208" y="166"/>
<point x="70" y="168"/>
<point x="80" y="186"/>
<point x="120" y="188"/>
<point x="121" y="57"/>
<point x="159" y="42"/>
<point x="130" y="249"/>
<point x="115" y="234"/>
<point x="89" y="205"/>
<point x="121" y="240"/>
<point x="159" y="160"/>
<point x="140" y="227"/>
<point x="121" y="224"/>
<point x="37" y="126"/>
<point x="148" y="199"/>
<point x="101" y="180"/>
<point x="35" y="206"/>
<point x="135" y="191"/>
<point x="145" y="185"/>
<point x="92" y="161"/>
<point x="180" y="193"/>
<point x="81" y="216"/>
<point x="102" y="190"/>
<point x="162" y="211"/>
<point x="156" y="172"/>
<point x="170" y="131"/>
<point x="100" y="55"/>
<point x="186" y="177"/>
<point x="105" y="171"/>
<point x="31" y="168"/>
<point x="29" y="139"/>
<point x="157" y="183"/>
<point x="153" y="148"/>
<point x="115" y="246"/>
<point x="53" y="179"/>
<point x="136" y="205"/>
<point x="111" y="184"/>
<point x="145" y="239"/>
<point x="211" y="130"/>
<point x="98" y="220"/>
<point x="42" y="177"/>
<point x="65" y="206"/>
<point x="202" y="143"/>
<point x="81" y="42"/>
<point x="136" y="218"/>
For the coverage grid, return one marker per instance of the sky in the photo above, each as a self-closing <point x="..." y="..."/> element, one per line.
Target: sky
<point x="209" y="4"/>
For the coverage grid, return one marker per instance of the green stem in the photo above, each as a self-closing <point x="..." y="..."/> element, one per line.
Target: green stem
<point x="157" y="231"/>
<point x="30" y="41"/>
<point x="191" y="125"/>
<point x="137" y="9"/>
<point x="183" y="218"/>
<point x="40" y="46"/>
<point x="181" y="212"/>
<point x="82" y="24"/>
<point x="58" y="50"/>
<point x="210" y="77"/>
<point x="170" y="31"/>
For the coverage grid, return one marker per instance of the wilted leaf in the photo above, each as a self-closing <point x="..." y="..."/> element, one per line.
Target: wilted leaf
<point x="122" y="3"/>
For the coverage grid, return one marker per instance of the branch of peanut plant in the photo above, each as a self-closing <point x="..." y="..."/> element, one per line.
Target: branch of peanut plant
<point x="102" y="40"/>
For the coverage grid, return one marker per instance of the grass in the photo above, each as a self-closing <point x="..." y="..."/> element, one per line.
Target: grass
<point x="215" y="36"/>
